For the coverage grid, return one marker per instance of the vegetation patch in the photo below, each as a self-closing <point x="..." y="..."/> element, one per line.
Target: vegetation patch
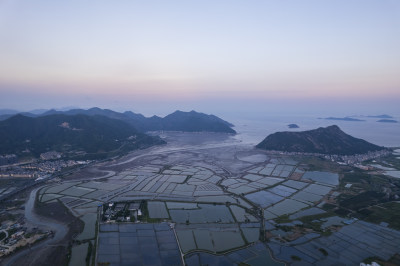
<point x="283" y="219"/>
<point x="390" y="161"/>
<point x="361" y="180"/>
<point x="323" y="251"/>
<point x="363" y="200"/>
<point x="2" y="235"/>
<point x="369" y="260"/>
<point x="314" y="222"/>
<point x="89" y="253"/>
<point x="328" y="207"/>
<point x="342" y="212"/>
<point x="388" y="212"/>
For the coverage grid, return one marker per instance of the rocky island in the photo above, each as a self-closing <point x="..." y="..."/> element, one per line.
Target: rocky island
<point x="293" y="126"/>
<point x="329" y="140"/>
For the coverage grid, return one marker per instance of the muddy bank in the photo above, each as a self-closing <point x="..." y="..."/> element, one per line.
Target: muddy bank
<point x="55" y="250"/>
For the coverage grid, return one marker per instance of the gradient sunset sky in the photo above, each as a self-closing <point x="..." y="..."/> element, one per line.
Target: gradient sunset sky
<point x="213" y="56"/>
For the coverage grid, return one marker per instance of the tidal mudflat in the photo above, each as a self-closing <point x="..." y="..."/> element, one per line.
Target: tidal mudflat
<point x="204" y="202"/>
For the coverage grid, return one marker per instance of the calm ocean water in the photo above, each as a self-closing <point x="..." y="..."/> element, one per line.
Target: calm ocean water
<point x="255" y="130"/>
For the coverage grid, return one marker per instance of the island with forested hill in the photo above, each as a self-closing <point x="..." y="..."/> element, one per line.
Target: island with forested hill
<point x="293" y="126"/>
<point x="387" y="121"/>
<point x="328" y="140"/>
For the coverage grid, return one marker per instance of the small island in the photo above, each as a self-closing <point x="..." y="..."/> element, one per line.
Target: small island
<point x="387" y="121"/>
<point x="293" y="126"/>
<point x="349" y="119"/>
<point x="380" y="116"/>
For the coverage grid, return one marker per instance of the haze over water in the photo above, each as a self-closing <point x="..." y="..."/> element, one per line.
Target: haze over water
<point x="253" y="131"/>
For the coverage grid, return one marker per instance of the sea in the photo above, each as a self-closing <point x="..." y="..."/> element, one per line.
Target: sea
<point x="253" y="131"/>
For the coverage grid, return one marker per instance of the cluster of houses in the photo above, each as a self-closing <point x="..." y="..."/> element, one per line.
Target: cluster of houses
<point x="15" y="235"/>
<point x="8" y="159"/>
<point x="122" y="211"/>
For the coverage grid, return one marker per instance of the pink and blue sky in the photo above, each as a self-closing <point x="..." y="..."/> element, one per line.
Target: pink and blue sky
<point x="213" y="56"/>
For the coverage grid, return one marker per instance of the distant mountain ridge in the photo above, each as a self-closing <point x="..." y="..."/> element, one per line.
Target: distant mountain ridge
<point x="387" y="121"/>
<point x="350" y="119"/>
<point x="380" y="116"/>
<point x="8" y="112"/>
<point x="329" y="140"/>
<point x="8" y="115"/>
<point x="178" y="121"/>
<point x="68" y="133"/>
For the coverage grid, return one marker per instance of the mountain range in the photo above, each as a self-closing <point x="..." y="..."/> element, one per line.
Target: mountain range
<point x="177" y="121"/>
<point x="380" y="116"/>
<point x="329" y="140"/>
<point x="70" y="133"/>
<point x="96" y="131"/>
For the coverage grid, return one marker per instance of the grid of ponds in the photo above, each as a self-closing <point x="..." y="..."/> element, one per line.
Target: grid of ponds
<point x="287" y="206"/>
<point x="147" y="182"/>
<point x="241" y="215"/>
<point x="349" y="246"/>
<point x="157" y="209"/>
<point x="215" y="239"/>
<point x="194" y="198"/>
<point x="322" y="177"/>
<point x="138" y="244"/>
<point x="264" y="198"/>
<point x="255" y="255"/>
<point x="206" y="213"/>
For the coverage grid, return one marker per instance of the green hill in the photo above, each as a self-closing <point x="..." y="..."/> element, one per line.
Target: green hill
<point x="188" y="122"/>
<point x="67" y="133"/>
<point x="177" y="121"/>
<point x="329" y="140"/>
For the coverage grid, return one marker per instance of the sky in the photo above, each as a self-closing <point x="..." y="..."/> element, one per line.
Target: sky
<point x="154" y="57"/>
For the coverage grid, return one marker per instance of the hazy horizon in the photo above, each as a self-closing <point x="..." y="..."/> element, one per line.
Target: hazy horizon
<point x="256" y="114"/>
<point x="225" y="57"/>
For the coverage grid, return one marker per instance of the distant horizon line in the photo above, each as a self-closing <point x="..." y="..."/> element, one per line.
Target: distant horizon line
<point x="38" y="111"/>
